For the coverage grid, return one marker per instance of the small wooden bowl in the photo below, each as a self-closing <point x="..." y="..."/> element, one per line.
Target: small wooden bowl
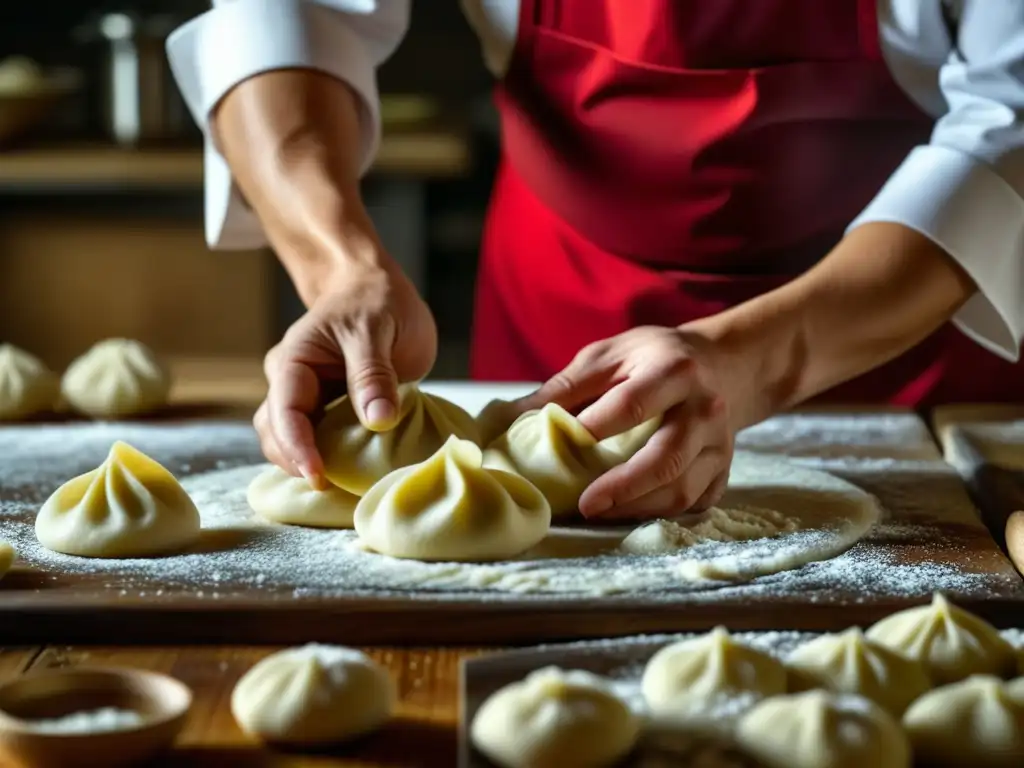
<point x="162" y="701"/>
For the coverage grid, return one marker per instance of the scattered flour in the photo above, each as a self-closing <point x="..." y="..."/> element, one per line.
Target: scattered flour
<point x="102" y="720"/>
<point x="239" y="551"/>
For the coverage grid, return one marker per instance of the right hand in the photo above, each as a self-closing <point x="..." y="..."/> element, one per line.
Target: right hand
<point x="368" y="329"/>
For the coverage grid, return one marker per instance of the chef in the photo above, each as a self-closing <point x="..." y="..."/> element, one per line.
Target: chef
<point x="711" y="210"/>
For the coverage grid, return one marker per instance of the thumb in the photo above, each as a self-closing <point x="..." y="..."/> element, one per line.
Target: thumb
<point x="578" y="384"/>
<point x="372" y="381"/>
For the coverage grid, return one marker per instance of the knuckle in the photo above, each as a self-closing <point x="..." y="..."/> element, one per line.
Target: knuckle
<point x="671" y="466"/>
<point x="680" y="366"/>
<point x="370" y="372"/>
<point x="591" y="354"/>
<point x="560" y="383"/>
<point x="632" y="405"/>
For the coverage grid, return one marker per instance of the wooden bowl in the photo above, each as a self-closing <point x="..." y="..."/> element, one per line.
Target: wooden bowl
<point x="162" y="702"/>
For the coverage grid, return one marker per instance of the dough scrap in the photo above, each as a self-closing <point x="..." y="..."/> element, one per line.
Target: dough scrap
<point x="818" y="729"/>
<point x="450" y="507"/>
<point x="7" y="557"/>
<point x="696" y="679"/>
<point x="129" y="506"/>
<point x="662" y="537"/>
<point x="978" y="722"/>
<point x="554" y="719"/>
<point x="27" y="386"/>
<point x="951" y="642"/>
<point x="851" y="663"/>
<point x="275" y="495"/>
<point x="355" y="457"/>
<point x="313" y="694"/>
<point x="115" y="379"/>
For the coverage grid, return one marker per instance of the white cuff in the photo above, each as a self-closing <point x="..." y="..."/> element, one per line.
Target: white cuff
<point x="213" y="53"/>
<point x="978" y="218"/>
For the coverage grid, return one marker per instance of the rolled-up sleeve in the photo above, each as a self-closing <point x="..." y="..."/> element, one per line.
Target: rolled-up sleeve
<point x="238" y="39"/>
<point x="965" y="189"/>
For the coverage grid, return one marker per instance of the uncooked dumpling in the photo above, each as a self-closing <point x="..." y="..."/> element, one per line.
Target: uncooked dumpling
<point x="450" y="507"/>
<point x="495" y="419"/>
<point x="7" y="556"/>
<point x="355" y="457"/>
<point x="978" y="722"/>
<point x="314" y="694"/>
<point x="555" y="719"/>
<point x="818" y="729"/>
<point x="116" y="378"/>
<point x="555" y="452"/>
<point x="696" y="677"/>
<point x="949" y="641"/>
<point x="276" y="495"/>
<point x="27" y="386"/>
<point x="129" y="506"/>
<point x="851" y="663"/>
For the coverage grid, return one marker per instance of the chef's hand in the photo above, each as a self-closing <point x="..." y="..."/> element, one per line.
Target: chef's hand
<point x="368" y="329"/>
<point x="634" y="377"/>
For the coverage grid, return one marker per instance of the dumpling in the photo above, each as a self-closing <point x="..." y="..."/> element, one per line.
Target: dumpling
<point x="949" y="641"/>
<point x="7" y="556"/>
<point x="129" y="506"/>
<point x="818" y="729"/>
<point x="276" y="495"/>
<point x="314" y="694"/>
<point x="977" y="722"/>
<point x="27" y="386"/>
<point x="116" y="378"/>
<point x="694" y="677"/>
<point x="555" y="719"/>
<point x="355" y="457"/>
<point x="493" y="421"/>
<point x="851" y="663"/>
<point x="555" y="452"/>
<point x="450" y="507"/>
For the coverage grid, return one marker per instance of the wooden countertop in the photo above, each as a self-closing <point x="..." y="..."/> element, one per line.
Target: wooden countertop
<point x="423" y="734"/>
<point x="435" y="153"/>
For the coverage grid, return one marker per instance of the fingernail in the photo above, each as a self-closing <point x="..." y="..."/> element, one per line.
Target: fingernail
<point x="380" y="413"/>
<point x="314" y="480"/>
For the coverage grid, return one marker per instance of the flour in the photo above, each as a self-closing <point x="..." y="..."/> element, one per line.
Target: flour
<point x="663" y="537"/>
<point x="238" y="551"/>
<point x="102" y="720"/>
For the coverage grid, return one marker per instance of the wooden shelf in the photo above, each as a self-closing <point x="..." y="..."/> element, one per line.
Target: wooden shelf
<point x="436" y="153"/>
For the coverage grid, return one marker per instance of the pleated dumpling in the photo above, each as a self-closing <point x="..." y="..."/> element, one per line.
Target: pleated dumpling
<point x="555" y="718"/>
<point x="978" y="722"/>
<point x="355" y="457"/>
<point x="115" y="379"/>
<point x="7" y="556"/>
<point x="949" y="641"/>
<point x="314" y="694"/>
<point x="450" y="507"/>
<point x="555" y="452"/>
<point x="699" y="674"/>
<point x="275" y="495"/>
<point x="27" y="386"/>
<point x="819" y="729"/>
<point x="129" y="506"/>
<point x="851" y="663"/>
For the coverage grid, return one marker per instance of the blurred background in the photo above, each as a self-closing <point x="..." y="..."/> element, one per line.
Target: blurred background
<point x="101" y="230"/>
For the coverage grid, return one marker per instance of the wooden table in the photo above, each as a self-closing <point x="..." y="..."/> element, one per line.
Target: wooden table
<point x="423" y="734"/>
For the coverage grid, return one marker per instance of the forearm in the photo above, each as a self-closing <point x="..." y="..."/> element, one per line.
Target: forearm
<point x="882" y="290"/>
<point x="291" y="138"/>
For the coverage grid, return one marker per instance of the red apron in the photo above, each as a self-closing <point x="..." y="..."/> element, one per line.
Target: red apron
<point x="668" y="159"/>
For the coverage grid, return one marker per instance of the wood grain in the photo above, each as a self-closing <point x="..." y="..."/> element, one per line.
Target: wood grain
<point x="423" y="732"/>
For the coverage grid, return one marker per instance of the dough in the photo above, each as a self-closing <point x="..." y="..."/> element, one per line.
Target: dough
<point x="949" y="641"/>
<point x="355" y="458"/>
<point x="276" y="495"/>
<point x="495" y="419"/>
<point x="314" y="694"/>
<point x="451" y="508"/>
<point x="27" y="386"/>
<point x="691" y="678"/>
<point x="115" y="379"/>
<point x="978" y="722"/>
<point x="555" y="452"/>
<point x="850" y="663"/>
<point x="129" y="506"/>
<point x="818" y="729"/>
<point x="7" y="556"/>
<point x="555" y="719"/>
<point x="662" y="537"/>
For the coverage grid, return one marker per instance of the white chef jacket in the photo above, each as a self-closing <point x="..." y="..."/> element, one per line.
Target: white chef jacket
<point x="963" y="189"/>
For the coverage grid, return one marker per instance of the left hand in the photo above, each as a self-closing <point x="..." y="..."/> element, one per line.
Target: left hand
<point x="634" y="377"/>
